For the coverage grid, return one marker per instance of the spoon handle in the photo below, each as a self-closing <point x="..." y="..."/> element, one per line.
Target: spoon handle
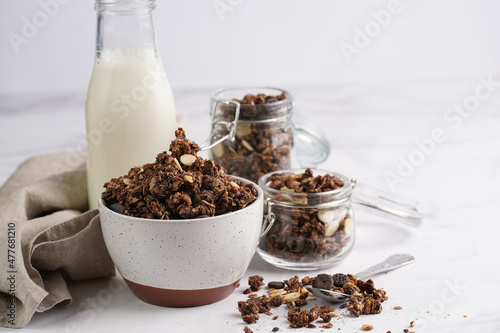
<point x="393" y="262"/>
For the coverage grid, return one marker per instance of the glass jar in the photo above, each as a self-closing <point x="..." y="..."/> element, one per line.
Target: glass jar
<point x="251" y="140"/>
<point x="308" y="231"/>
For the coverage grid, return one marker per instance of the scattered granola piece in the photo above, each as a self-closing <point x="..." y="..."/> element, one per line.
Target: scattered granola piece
<point x="397" y="307"/>
<point x="250" y="319"/>
<point x="329" y="325"/>
<point x="412" y="324"/>
<point x="340" y="279"/>
<point x="367" y="327"/>
<point x="276" y="302"/>
<point x="247" y="329"/>
<point x="249" y="311"/>
<point x="323" y="281"/>
<point x="327" y="317"/>
<point x="366" y="300"/>
<point x="294" y="284"/>
<point x="263" y="303"/>
<point x="326" y="308"/>
<point x="314" y="314"/>
<point x="255" y="282"/>
<point x="300" y="302"/>
<point x="276" y="329"/>
<point x="298" y="318"/>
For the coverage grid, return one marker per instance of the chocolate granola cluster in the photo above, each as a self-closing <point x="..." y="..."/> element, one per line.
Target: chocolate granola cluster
<point x="180" y="185"/>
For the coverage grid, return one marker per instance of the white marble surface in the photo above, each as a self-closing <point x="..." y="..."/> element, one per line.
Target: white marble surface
<point x="452" y="286"/>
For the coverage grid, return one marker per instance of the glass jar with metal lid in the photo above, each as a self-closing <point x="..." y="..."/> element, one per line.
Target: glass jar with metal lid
<point x="253" y="133"/>
<point x="307" y="231"/>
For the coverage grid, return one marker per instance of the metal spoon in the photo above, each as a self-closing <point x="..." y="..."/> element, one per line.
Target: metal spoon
<point x="393" y="262"/>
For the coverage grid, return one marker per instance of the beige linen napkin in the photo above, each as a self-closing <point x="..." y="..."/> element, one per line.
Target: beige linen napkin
<point x="47" y="236"/>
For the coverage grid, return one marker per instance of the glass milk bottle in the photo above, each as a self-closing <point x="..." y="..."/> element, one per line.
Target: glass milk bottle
<point x="130" y="111"/>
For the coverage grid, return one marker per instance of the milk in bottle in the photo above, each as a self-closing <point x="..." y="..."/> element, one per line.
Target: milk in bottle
<point x="130" y="113"/>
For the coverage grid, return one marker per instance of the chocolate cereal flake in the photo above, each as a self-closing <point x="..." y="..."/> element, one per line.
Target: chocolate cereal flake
<point x="340" y="279"/>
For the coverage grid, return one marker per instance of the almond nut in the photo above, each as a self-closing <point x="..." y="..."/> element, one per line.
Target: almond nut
<point x="247" y="145"/>
<point x="326" y="216"/>
<point x="331" y="227"/>
<point x="348" y="226"/>
<point x="243" y="129"/>
<point x="276" y="292"/>
<point x="188" y="178"/>
<point x="302" y="200"/>
<point x="188" y="159"/>
<point x="177" y="164"/>
<point x="291" y="297"/>
<point x="218" y="150"/>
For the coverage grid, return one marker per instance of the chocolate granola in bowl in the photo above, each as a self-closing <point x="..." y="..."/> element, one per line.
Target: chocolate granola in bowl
<point x="180" y="185"/>
<point x="313" y="219"/>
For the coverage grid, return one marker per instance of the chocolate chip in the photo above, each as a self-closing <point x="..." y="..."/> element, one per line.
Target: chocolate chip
<point x="323" y="281"/>
<point x="276" y="284"/>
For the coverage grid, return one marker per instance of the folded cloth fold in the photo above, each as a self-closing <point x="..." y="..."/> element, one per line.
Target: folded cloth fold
<point x="47" y="236"/>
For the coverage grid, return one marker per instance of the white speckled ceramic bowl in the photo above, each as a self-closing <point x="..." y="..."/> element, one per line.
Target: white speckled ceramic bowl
<point x="183" y="262"/>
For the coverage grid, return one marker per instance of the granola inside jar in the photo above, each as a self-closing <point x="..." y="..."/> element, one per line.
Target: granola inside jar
<point x="311" y="216"/>
<point x="263" y="135"/>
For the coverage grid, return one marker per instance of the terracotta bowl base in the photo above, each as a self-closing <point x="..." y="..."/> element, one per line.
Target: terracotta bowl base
<point x="180" y="298"/>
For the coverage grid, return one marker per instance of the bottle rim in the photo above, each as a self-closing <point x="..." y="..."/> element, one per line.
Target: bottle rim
<point x="124" y="6"/>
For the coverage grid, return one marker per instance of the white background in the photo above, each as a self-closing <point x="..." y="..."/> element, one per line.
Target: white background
<point x="377" y="110"/>
<point x="260" y="42"/>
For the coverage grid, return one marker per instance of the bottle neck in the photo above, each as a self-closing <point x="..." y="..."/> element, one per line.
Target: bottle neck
<point x="125" y="25"/>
